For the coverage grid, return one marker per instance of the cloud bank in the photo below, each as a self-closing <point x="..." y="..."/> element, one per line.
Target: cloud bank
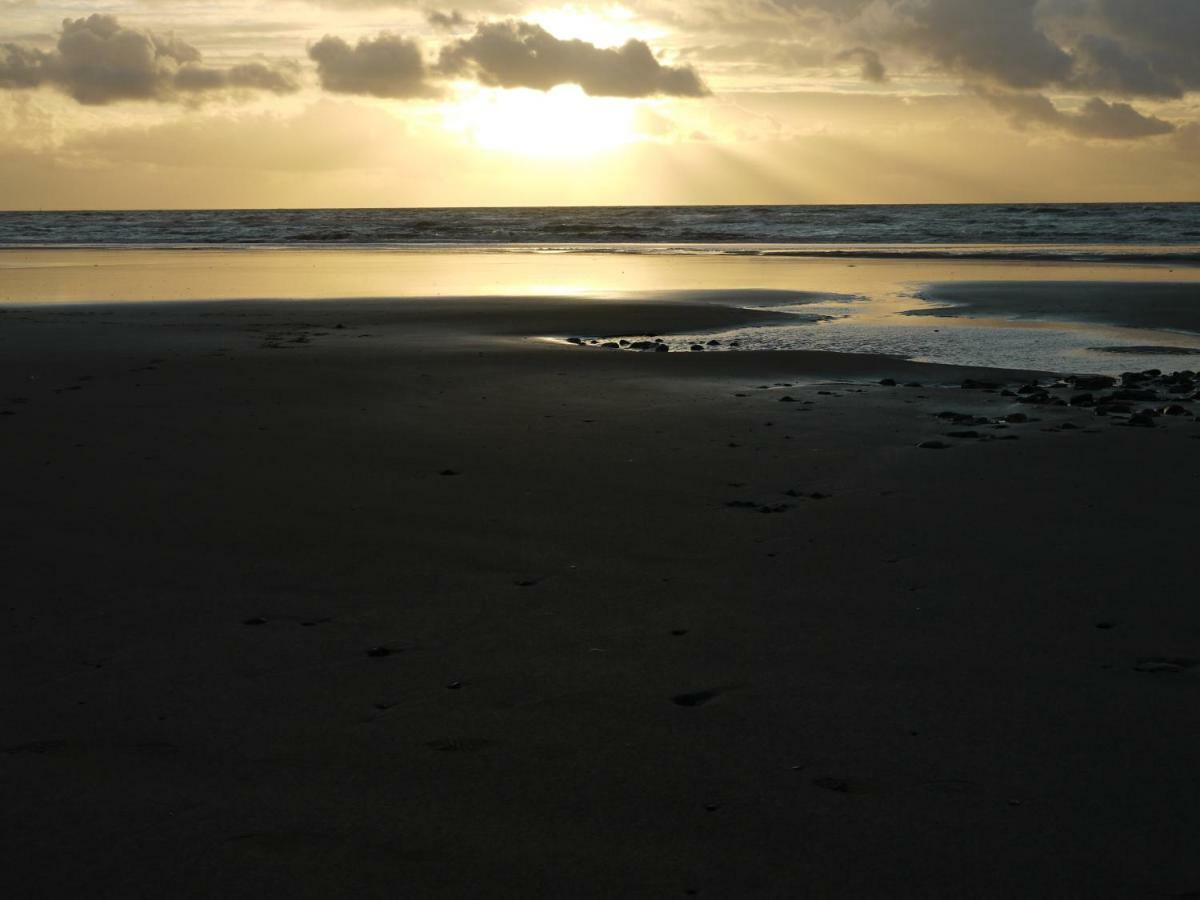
<point x="98" y="61"/>
<point x="1096" y="119"/>
<point x="384" y="66"/>
<point x="514" y="54"/>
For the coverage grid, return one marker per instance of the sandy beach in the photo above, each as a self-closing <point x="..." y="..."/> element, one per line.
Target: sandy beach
<point x="407" y="597"/>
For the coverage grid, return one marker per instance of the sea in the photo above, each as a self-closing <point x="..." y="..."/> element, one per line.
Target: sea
<point x="872" y="262"/>
<point x="1151" y="232"/>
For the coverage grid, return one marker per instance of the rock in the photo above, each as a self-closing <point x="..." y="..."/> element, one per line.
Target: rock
<point x="696" y="348"/>
<point x="1031" y="388"/>
<point x="1174" y="410"/>
<point x="1091" y="382"/>
<point x="448" y="473"/>
<point x="1134" y="394"/>
<point x="623" y="342"/>
<point x="1140" y="420"/>
<point x="888" y="382"/>
<point x="787" y="398"/>
<point x="933" y="445"/>
<point x="574" y="340"/>
<point x="1016" y="418"/>
<point x="256" y="620"/>
<point x="661" y="348"/>
<point x="380" y="652"/>
<point x="714" y="343"/>
<point x="610" y="345"/>
<point x="964" y="435"/>
<point x="913" y="384"/>
<point x="970" y="384"/>
<point x="1083" y="400"/>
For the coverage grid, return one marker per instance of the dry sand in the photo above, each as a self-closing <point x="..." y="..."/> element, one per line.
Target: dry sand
<point x="418" y="607"/>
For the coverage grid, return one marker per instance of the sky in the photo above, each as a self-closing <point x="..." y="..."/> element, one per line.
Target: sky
<point x="362" y="103"/>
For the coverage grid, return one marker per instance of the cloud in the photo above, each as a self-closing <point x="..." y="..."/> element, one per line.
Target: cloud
<point x="386" y="65"/>
<point x="98" y="61"/>
<point x="1140" y="49"/>
<point x="451" y="21"/>
<point x="515" y="54"/>
<point x="872" y="67"/>
<point x="1097" y="119"/>
<point x="995" y="40"/>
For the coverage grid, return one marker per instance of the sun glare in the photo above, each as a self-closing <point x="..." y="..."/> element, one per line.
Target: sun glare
<point x="564" y="123"/>
<point x="605" y="26"/>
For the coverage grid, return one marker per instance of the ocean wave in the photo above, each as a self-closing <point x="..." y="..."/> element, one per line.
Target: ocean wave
<point x="830" y="229"/>
<point x="1132" y="255"/>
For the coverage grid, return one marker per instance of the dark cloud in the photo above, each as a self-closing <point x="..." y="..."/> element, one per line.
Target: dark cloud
<point x="1097" y="119"/>
<point x="451" y="21"/>
<point x="99" y="61"/>
<point x="995" y="40"/>
<point x="515" y="54"/>
<point x="871" y="66"/>
<point x="386" y="65"/>
<point x="1141" y="49"/>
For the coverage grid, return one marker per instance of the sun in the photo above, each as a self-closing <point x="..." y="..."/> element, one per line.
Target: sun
<point x="563" y="123"/>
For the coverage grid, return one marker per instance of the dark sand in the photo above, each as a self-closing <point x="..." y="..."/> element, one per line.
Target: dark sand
<point x="1166" y="306"/>
<point x="417" y="607"/>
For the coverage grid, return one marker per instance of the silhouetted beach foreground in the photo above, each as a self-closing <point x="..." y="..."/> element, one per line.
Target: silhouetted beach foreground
<point x="409" y="597"/>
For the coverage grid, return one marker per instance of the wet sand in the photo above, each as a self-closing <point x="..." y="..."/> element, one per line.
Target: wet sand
<point x="1164" y="306"/>
<point x="385" y="598"/>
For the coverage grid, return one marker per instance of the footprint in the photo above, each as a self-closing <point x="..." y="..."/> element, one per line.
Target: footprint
<point x="831" y="783"/>
<point x="291" y="845"/>
<point x="695" y="698"/>
<point x="1164" y="665"/>
<point x="39" y="748"/>
<point x="459" y="745"/>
